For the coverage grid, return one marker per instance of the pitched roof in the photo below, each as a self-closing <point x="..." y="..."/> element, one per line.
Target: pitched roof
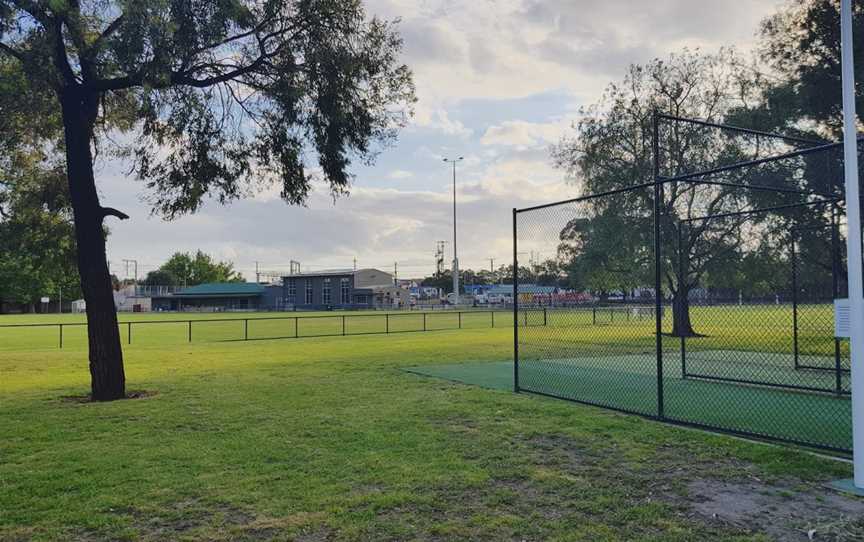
<point x="211" y="289"/>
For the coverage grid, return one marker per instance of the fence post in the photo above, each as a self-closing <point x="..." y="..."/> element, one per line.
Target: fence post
<point x="515" y="307"/>
<point x="343" y="325"/>
<point x="460" y="319"/>
<point x="545" y="318"/>
<point x="682" y="281"/>
<point x="794" y="258"/>
<point x="658" y="287"/>
<point x="387" y="323"/>
<point x="296" y="327"/>
<point x="61" y="335"/>
<point x="594" y="315"/>
<point x="493" y="318"/>
<point x="246" y="329"/>
<point x="424" y="321"/>
<point x="129" y="332"/>
<point x="190" y="331"/>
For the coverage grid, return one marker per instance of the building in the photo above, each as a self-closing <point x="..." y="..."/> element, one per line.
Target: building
<point x="344" y="289"/>
<point x="215" y="296"/>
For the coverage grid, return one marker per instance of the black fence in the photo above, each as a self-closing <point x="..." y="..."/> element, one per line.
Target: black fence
<point x="156" y="332"/>
<point x="751" y="213"/>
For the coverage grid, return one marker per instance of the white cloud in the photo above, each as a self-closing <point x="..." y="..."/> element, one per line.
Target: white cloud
<point x="468" y="57"/>
<point x="524" y="134"/>
<point x="400" y="174"/>
<point x="438" y="120"/>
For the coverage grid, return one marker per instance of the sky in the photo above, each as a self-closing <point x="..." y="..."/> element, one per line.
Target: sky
<point x="498" y="82"/>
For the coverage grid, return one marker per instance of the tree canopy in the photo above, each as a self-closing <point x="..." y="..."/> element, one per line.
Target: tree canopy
<point x="186" y="269"/>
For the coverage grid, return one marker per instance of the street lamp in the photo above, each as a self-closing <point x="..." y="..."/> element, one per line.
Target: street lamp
<point x="455" y="254"/>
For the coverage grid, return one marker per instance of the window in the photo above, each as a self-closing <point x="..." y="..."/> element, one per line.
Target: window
<point x="292" y="292"/>
<point x="345" y="289"/>
<point x="325" y="292"/>
<point x="308" y="291"/>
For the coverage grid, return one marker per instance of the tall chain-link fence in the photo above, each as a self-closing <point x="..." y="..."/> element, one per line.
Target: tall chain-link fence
<point x="705" y="297"/>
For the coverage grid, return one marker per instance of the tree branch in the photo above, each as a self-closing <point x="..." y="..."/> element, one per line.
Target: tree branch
<point x="12" y="52"/>
<point x="110" y="211"/>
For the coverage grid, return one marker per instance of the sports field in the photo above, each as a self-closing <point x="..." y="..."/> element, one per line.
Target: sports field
<point x="330" y="438"/>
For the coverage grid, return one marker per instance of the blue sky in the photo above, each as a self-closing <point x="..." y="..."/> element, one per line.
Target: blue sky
<point x="498" y="82"/>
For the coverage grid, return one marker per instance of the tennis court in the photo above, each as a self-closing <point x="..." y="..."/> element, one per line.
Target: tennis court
<point x="629" y="382"/>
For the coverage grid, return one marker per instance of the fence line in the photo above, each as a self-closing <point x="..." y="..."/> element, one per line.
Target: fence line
<point x="341" y="324"/>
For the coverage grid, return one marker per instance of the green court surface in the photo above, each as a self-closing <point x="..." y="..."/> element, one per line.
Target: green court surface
<point x="630" y="383"/>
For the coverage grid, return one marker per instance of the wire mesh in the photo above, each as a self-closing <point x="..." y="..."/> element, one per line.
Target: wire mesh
<point x="724" y="317"/>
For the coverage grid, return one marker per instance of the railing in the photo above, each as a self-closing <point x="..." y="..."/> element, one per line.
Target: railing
<point x="22" y="336"/>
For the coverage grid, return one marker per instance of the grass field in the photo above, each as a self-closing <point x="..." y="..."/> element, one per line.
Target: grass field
<point x="330" y="439"/>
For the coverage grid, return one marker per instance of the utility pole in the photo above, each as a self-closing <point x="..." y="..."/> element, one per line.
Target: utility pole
<point x="439" y="257"/>
<point x="135" y="263"/>
<point x="257" y="273"/>
<point x="355" y="263"/>
<point x="853" y="244"/>
<point x="395" y="274"/>
<point x="455" y="253"/>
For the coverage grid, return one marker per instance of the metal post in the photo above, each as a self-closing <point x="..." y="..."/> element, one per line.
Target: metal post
<point x="61" y="335"/>
<point x="493" y="319"/>
<point x="424" y="321"/>
<point x="246" y="329"/>
<point x="835" y="293"/>
<point x="545" y="318"/>
<point x="296" y="327"/>
<point x="459" y="314"/>
<point x="594" y="315"/>
<point x="189" y="331"/>
<point x="515" y="308"/>
<point x="853" y="242"/>
<point x="680" y="308"/>
<point x="658" y="194"/>
<point x="129" y="332"/>
<point x="343" y="325"/>
<point x="793" y="254"/>
<point x="386" y="323"/>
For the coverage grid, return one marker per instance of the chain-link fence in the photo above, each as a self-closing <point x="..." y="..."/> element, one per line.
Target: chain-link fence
<point x="705" y="297"/>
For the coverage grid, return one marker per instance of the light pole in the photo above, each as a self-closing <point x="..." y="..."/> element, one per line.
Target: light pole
<point x="455" y="254"/>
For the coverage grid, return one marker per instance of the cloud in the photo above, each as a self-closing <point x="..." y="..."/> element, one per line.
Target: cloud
<point x="522" y="133"/>
<point x="400" y="174"/>
<point x="498" y="81"/>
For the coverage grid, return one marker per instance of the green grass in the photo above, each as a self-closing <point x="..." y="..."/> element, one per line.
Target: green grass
<point x="329" y="438"/>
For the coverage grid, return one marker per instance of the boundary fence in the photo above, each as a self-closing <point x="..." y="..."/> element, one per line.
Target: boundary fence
<point x="299" y="327"/>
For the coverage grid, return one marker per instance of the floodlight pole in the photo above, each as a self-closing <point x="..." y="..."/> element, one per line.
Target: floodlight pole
<point x="853" y="242"/>
<point x="455" y="254"/>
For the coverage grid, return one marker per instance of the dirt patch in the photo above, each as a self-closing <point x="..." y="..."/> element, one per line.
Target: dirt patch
<point x="783" y="512"/>
<point x="84" y="399"/>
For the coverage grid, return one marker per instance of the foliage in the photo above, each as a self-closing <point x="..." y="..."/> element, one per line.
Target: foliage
<point x="801" y="43"/>
<point x="37" y="247"/>
<point x="186" y="269"/>
<point x="612" y="149"/>
<point x="223" y="97"/>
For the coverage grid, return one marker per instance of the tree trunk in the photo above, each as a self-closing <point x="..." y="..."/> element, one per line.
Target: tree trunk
<point x="107" y="378"/>
<point x="681" y="324"/>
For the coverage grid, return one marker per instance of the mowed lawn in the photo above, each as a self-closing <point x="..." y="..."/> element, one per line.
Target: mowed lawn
<point x="329" y="439"/>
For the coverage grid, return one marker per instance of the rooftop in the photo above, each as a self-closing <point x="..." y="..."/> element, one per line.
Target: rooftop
<point x="222" y="289"/>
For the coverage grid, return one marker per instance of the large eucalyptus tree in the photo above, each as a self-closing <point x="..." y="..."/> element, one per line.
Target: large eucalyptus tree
<point x="217" y="97"/>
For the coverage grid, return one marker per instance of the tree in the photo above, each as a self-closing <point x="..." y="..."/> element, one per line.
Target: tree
<point x="37" y="246"/>
<point x="221" y="96"/>
<point x="161" y="277"/>
<point x="801" y="43"/>
<point x="609" y="244"/>
<point x="188" y="270"/>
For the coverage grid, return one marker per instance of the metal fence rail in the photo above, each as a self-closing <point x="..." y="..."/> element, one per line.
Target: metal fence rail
<point x="268" y="327"/>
